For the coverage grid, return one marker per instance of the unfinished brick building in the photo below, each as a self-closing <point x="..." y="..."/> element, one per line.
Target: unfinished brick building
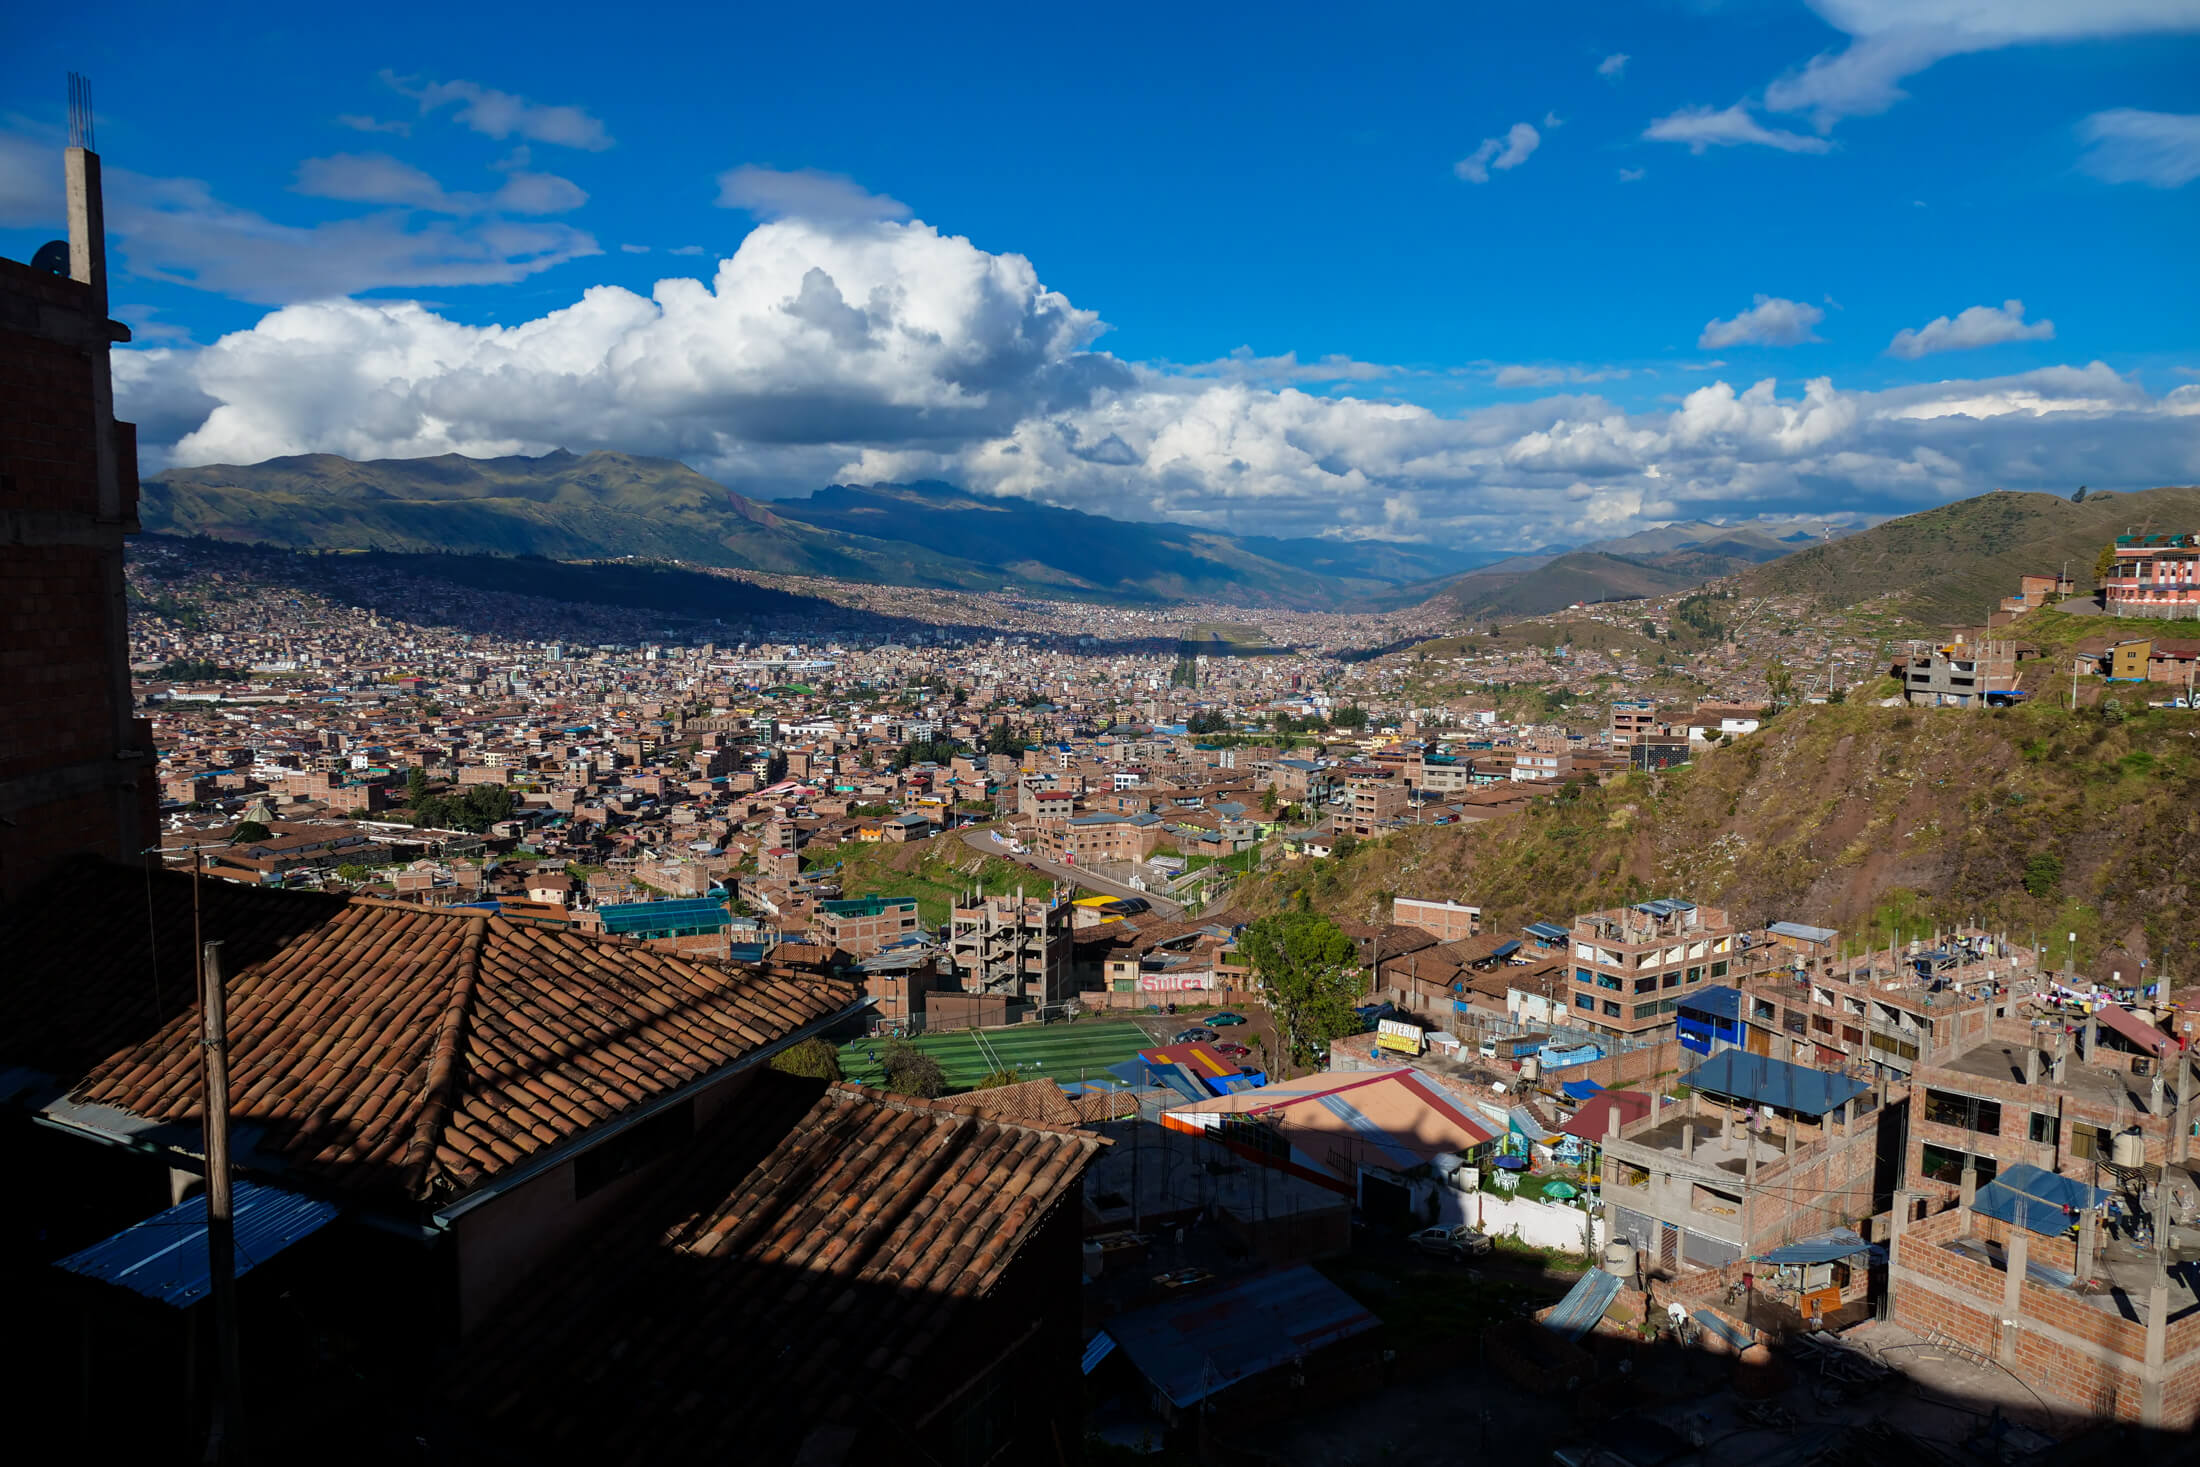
<point x="76" y="768"/>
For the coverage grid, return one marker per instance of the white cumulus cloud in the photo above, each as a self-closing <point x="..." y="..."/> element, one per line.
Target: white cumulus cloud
<point x="885" y="350"/>
<point x="377" y="178"/>
<point x="1613" y="65"/>
<point x="2125" y="145"/>
<point x="1975" y="327"/>
<point x="1509" y="151"/>
<point x="1772" y="321"/>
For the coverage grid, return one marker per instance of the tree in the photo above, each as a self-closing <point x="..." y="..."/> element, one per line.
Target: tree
<point x="2103" y="563"/>
<point x="1838" y="695"/>
<point x="813" y="1059"/>
<point x="1779" y="684"/>
<point x="1311" y="972"/>
<point x="995" y="1079"/>
<point x="910" y="1071"/>
<point x="1268" y="800"/>
<point x="1344" y="845"/>
<point x="247" y="832"/>
<point x="2079" y="497"/>
<point x="353" y="872"/>
<point x="416" y="786"/>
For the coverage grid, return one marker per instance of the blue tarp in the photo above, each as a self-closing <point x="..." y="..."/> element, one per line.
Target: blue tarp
<point x="1192" y="1348"/>
<point x="1580" y="1089"/>
<point x="2037" y="1201"/>
<point x="166" y="1258"/>
<point x="1584" y="1304"/>
<point x="1823" y="1248"/>
<point x="1764" y="1081"/>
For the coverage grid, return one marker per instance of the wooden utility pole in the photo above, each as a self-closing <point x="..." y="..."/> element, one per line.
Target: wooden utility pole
<point x="225" y="1441"/>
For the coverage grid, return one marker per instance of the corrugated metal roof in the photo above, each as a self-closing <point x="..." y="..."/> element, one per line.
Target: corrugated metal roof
<point x="1547" y="931"/>
<point x="1584" y="1304"/>
<point x="1802" y="932"/>
<point x="1193" y="1348"/>
<point x="1717" y="1003"/>
<point x="1766" y="1081"/>
<point x="1823" y="1248"/>
<point x="624" y="917"/>
<point x="1097" y="1349"/>
<point x="166" y="1258"/>
<point x="2036" y="1200"/>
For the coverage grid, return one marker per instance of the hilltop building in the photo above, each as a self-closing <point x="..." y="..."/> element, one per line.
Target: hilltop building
<point x="2155" y="575"/>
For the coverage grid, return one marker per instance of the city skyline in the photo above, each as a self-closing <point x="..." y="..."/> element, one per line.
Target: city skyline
<point x="1484" y="281"/>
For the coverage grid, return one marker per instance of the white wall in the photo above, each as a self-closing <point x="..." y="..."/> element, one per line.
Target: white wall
<point x="1541" y="1224"/>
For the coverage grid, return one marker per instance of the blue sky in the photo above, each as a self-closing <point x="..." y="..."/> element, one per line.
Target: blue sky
<point x="1490" y="275"/>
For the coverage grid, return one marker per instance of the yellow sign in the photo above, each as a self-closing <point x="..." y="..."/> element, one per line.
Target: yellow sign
<point x="1392" y="1034"/>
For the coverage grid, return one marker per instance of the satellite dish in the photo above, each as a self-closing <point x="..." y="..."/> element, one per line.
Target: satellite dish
<point x="52" y="256"/>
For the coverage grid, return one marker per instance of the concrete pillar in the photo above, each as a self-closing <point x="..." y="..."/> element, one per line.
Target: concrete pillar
<point x="1688" y="1139"/>
<point x="1970" y="1190"/>
<point x="2154" y="1099"/>
<point x="2089" y="1239"/>
<point x="1611" y="1123"/>
<point x="2061" y="1059"/>
<point x="1787" y="1143"/>
<point x="2032" y="1065"/>
<point x="2150" y="1374"/>
<point x="2012" y="1293"/>
<point x="2092" y="1036"/>
<point x="1749" y="1166"/>
<point x="2180" y="1145"/>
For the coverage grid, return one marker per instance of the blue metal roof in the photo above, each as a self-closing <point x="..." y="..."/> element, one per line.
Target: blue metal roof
<point x="1505" y="950"/>
<point x="1823" y="1248"/>
<point x="1764" y="1081"/>
<point x="1584" y="1304"/>
<point x="2036" y="1200"/>
<point x="1097" y="1349"/>
<point x="622" y="918"/>
<point x="1546" y="931"/>
<point x="1715" y="1003"/>
<point x="1192" y="1348"/>
<point x="166" y="1258"/>
<point x="1665" y="907"/>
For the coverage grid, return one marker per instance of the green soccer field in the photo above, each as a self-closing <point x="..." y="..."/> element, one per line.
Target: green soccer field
<point x="1038" y="1051"/>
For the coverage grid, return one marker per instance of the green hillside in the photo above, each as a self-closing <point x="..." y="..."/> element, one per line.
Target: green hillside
<point x="1952" y="564"/>
<point x="1867" y="819"/>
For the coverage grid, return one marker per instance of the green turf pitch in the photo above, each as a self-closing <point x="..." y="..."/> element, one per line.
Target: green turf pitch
<point x="1038" y="1051"/>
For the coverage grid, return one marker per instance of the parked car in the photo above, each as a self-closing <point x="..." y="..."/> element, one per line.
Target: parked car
<point x="1233" y="1049"/>
<point x="1195" y="1035"/>
<point x="1455" y="1242"/>
<point x="1225" y="1019"/>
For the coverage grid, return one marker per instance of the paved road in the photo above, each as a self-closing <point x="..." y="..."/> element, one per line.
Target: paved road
<point x="982" y="840"/>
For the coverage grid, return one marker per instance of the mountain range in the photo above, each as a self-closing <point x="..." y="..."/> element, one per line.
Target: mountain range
<point x="600" y="506"/>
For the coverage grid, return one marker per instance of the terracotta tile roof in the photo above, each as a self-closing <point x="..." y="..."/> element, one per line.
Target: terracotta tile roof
<point x="1032" y="1100"/>
<point x="789" y="1282"/>
<point x="378" y="1047"/>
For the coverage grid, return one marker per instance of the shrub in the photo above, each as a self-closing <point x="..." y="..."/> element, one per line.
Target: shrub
<point x="813" y="1059"/>
<point x="2043" y="874"/>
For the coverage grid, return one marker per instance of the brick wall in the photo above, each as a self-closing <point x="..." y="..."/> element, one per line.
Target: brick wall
<point x="64" y="688"/>
<point x="2066" y="1346"/>
<point x="1618" y="1071"/>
